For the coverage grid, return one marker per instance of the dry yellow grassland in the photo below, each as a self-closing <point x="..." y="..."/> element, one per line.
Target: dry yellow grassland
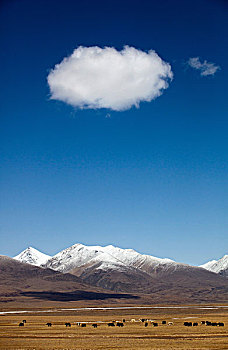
<point x="35" y="335"/>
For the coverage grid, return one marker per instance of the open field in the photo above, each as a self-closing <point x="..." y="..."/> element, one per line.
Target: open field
<point x="35" y="335"/>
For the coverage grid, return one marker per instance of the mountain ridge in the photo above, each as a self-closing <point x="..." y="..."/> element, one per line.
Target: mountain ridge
<point x="80" y="255"/>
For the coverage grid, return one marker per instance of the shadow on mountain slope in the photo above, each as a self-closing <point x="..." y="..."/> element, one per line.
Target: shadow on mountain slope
<point x="76" y="296"/>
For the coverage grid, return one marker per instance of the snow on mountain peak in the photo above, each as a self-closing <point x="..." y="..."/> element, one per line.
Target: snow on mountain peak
<point x="81" y="259"/>
<point x="217" y="266"/>
<point x="80" y="256"/>
<point x="32" y="256"/>
<point x="74" y="256"/>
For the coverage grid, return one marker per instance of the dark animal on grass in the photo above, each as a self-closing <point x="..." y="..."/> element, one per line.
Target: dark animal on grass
<point x="21" y="324"/>
<point x="111" y="324"/>
<point x="146" y="324"/>
<point x="195" y="324"/>
<point x="68" y="324"/>
<point x="155" y="324"/>
<point x="94" y="325"/>
<point x="120" y="324"/>
<point x="124" y="320"/>
<point x="214" y="324"/>
<point x="188" y="324"/>
<point x="163" y="322"/>
<point x="49" y="324"/>
<point x="83" y="325"/>
<point x="24" y="321"/>
<point x="143" y="319"/>
<point x="221" y="324"/>
<point x="208" y="323"/>
<point x="202" y="322"/>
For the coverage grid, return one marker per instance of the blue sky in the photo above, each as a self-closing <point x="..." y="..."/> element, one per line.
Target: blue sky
<point x="152" y="178"/>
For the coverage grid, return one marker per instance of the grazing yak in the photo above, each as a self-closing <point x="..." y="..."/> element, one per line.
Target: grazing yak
<point x="146" y="324"/>
<point x="163" y="322"/>
<point x="189" y="324"/>
<point x="83" y="324"/>
<point x="111" y="324"/>
<point x="49" y="324"/>
<point x="94" y="325"/>
<point x="24" y="321"/>
<point x="220" y="324"/>
<point x="119" y="324"/>
<point x="68" y="324"/>
<point x="214" y="324"/>
<point x="155" y="324"/>
<point x="21" y="324"/>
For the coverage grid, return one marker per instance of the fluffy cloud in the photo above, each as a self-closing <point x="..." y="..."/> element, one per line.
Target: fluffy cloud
<point x="93" y="77"/>
<point x="205" y="68"/>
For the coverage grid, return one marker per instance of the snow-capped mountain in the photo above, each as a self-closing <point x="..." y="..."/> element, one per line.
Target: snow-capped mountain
<point x="218" y="266"/>
<point x="80" y="256"/>
<point x="125" y="270"/>
<point x="188" y="285"/>
<point x="32" y="256"/>
<point x="107" y="267"/>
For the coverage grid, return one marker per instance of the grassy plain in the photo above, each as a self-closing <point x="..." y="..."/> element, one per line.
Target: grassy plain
<point x="35" y="335"/>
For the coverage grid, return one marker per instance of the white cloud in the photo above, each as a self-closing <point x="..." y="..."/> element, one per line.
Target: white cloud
<point x="93" y="77"/>
<point x="205" y="68"/>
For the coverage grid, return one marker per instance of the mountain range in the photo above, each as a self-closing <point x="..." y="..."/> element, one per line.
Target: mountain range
<point x="126" y="271"/>
<point x="78" y="258"/>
